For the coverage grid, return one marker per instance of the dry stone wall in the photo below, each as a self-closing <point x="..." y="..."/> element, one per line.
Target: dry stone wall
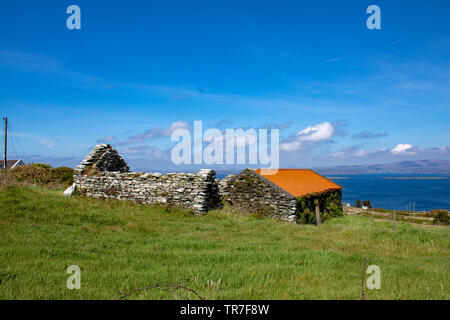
<point x="104" y="174"/>
<point x="193" y="191"/>
<point x="252" y="193"/>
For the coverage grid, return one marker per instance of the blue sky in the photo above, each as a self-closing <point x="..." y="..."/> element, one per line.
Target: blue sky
<point x="136" y="69"/>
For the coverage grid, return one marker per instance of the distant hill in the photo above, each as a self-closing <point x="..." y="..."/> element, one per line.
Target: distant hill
<point x="402" y="167"/>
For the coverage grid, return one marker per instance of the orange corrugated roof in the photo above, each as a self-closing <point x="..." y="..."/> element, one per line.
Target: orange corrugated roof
<point x="299" y="182"/>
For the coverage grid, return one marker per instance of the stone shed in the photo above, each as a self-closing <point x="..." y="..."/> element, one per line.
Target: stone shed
<point x="286" y="193"/>
<point x="104" y="174"/>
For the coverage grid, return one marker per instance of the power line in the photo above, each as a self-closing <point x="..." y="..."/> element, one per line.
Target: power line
<point x="5" y="164"/>
<point x="14" y="146"/>
<point x="17" y="141"/>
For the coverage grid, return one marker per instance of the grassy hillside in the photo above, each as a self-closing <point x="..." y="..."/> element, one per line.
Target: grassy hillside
<point x="122" y="245"/>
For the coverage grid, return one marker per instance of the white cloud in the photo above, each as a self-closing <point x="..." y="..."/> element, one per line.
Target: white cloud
<point x="312" y="134"/>
<point x="335" y="59"/>
<point x="361" y="153"/>
<point x="144" y="150"/>
<point x="319" y="132"/>
<point x="106" y="139"/>
<point x="403" y="149"/>
<point x="155" y="133"/>
<point x="241" y="138"/>
<point x="351" y="152"/>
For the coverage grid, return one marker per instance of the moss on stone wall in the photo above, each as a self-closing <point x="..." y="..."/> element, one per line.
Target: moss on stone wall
<point x="254" y="194"/>
<point x="330" y="206"/>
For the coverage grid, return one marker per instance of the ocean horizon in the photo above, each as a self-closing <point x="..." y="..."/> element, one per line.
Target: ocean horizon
<point x="421" y="192"/>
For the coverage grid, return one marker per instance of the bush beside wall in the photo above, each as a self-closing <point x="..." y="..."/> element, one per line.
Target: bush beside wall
<point x="330" y="206"/>
<point x="38" y="174"/>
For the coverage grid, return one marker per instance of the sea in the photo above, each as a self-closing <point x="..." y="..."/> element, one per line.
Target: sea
<point x="395" y="191"/>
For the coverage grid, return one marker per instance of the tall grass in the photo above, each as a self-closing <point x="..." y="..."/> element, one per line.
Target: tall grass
<point x="37" y="174"/>
<point x="222" y="255"/>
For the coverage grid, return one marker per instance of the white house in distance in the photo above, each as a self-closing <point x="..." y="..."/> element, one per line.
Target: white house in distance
<point x="11" y="164"/>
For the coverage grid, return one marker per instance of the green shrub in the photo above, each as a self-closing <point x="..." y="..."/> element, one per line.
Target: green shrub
<point x="42" y="165"/>
<point x="307" y="217"/>
<point x="32" y="174"/>
<point x="329" y="205"/>
<point x="40" y="174"/>
<point x="442" y="217"/>
<point x="64" y="175"/>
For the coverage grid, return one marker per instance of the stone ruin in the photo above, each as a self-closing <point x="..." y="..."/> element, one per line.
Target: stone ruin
<point x="104" y="174"/>
<point x="103" y="158"/>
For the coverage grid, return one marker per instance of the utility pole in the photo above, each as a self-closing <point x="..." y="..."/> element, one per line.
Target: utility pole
<point x="6" y="141"/>
<point x="318" y="219"/>
<point x="394" y="221"/>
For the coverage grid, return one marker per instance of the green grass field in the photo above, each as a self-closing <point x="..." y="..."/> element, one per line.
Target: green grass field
<point x="122" y="245"/>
